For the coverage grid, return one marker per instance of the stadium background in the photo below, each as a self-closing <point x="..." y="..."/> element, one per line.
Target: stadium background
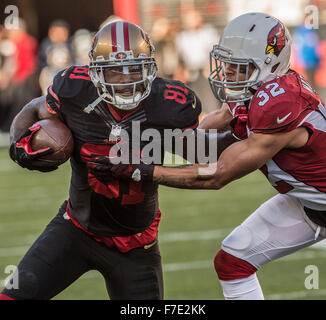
<point x="194" y="222"/>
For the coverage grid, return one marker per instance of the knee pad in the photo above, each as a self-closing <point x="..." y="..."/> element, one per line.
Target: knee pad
<point x="239" y="240"/>
<point x="229" y="267"/>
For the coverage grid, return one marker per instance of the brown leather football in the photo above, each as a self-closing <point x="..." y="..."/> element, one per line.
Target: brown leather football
<point x="56" y="135"/>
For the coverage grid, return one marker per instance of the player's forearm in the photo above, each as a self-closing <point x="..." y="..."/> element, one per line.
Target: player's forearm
<point x="195" y="176"/>
<point x="216" y="143"/>
<point x="211" y="124"/>
<point x="23" y="120"/>
<point x="29" y="114"/>
<point x="205" y="147"/>
<point x="237" y="161"/>
<point x="218" y="119"/>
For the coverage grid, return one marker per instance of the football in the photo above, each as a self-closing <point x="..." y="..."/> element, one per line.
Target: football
<point x="56" y="135"/>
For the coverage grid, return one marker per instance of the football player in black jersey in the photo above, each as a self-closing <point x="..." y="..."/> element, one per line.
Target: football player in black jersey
<point x="107" y="224"/>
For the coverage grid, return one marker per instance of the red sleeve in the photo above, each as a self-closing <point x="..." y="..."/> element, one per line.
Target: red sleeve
<point x="53" y="103"/>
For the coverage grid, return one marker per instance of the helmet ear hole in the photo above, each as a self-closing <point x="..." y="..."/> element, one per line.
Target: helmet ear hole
<point x="275" y="66"/>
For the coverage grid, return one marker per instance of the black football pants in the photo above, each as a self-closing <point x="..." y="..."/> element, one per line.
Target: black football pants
<point x="63" y="253"/>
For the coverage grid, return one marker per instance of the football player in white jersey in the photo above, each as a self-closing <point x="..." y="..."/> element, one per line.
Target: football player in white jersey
<point x="281" y="122"/>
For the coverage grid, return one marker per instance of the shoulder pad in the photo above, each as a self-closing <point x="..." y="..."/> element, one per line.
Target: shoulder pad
<point x="276" y="106"/>
<point x="70" y="82"/>
<point x="173" y="105"/>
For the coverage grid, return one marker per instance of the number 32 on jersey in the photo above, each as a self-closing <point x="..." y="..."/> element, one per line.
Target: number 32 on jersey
<point x="273" y="90"/>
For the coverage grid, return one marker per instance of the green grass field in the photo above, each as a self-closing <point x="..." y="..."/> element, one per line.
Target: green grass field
<point x="193" y="225"/>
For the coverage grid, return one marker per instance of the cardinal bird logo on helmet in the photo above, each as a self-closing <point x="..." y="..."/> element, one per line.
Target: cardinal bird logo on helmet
<point x="276" y="40"/>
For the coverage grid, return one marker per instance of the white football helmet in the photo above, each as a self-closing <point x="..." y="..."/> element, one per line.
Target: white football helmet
<point x="124" y="47"/>
<point x="255" y="39"/>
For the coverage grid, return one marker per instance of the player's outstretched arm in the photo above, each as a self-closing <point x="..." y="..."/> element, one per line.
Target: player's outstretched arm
<point x="210" y="144"/>
<point x="219" y="119"/>
<point x="222" y="120"/>
<point x="21" y="132"/>
<point x="237" y="161"/>
<point x="200" y="146"/>
<point x="209" y="140"/>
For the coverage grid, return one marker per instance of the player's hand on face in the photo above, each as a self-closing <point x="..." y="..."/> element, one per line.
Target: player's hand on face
<point x="104" y="169"/>
<point x="21" y="152"/>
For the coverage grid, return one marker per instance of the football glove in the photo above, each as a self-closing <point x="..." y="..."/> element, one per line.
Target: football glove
<point x="104" y="170"/>
<point x="21" y="152"/>
<point x="239" y="124"/>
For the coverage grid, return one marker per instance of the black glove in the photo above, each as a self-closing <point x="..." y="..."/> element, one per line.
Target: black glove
<point x="21" y="152"/>
<point x="104" y="170"/>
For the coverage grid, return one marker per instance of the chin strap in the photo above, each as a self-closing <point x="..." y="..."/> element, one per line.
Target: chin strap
<point x="93" y="105"/>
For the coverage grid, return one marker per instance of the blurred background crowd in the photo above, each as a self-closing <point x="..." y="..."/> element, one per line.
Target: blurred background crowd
<point x="183" y="33"/>
<point x="27" y="66"/>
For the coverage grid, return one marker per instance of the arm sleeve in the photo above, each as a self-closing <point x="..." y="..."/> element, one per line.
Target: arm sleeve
<point x="53" y="100"/>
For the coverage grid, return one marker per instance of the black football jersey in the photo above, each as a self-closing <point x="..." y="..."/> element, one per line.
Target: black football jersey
<point x="117" y="208"/>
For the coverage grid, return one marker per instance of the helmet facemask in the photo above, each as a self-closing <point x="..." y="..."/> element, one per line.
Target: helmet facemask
<point x="232" y="91"/>
<point x="122" y="64"/>
<point x="253" y="40"/>
<point x="124" y="95"/>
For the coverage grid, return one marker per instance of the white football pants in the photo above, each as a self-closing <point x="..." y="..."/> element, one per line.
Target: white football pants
<point x="277" y="228"/>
